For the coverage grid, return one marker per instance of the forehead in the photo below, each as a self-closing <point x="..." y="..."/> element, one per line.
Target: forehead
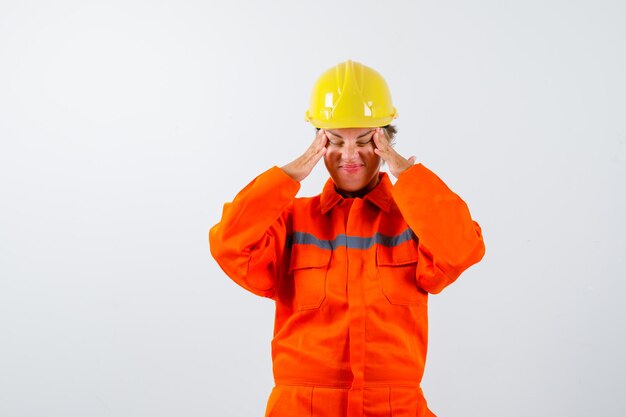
<point x="351" y="132"/>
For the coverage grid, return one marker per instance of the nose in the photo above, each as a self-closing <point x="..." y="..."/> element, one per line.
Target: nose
<point x="349" y="152"/>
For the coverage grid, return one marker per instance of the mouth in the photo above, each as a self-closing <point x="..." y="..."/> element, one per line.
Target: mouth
<point x="351" y="168"/>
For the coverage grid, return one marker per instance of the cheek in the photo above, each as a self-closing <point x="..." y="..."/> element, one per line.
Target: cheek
<point x="328" y="157"/>
<point x="331" y="153"/>
<point x="368" y="154"/>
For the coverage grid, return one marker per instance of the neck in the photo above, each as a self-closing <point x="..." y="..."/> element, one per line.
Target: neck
<point x="359" y="193"/>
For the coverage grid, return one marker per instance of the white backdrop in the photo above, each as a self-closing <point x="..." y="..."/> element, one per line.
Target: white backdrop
<point x="125" y="125"/>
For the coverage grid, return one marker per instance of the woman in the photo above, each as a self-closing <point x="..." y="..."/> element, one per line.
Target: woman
<point x="350" y="270"/>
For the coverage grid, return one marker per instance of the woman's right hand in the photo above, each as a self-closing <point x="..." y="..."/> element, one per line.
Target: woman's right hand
<point x="301" y="167"/>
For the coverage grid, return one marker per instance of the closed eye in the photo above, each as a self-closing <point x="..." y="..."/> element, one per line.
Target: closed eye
<point x="365" y="141"/>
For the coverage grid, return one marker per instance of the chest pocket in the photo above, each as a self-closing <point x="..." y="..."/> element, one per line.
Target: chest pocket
<point x="309" y="267"/>
<point x="396" y="268"/>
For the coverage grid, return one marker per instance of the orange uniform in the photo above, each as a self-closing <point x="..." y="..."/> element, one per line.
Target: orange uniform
<point x="350" y="278"/>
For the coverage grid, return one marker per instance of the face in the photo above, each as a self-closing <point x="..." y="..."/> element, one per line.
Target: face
<point x="351" y="161"/>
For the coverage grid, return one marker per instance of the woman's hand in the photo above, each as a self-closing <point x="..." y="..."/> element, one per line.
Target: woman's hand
<point x="301" y="167"/>
<point x="396" y="162"/>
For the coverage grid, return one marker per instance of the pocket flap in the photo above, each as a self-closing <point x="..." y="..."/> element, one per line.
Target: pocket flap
<point x="308" y="256"/>
<point x="403" y="254"/>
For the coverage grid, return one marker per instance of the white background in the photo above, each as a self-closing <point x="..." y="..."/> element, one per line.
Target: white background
<point x="125" y="125"/>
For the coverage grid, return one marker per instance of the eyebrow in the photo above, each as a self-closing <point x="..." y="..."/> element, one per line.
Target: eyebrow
<point x="358" y="137"/>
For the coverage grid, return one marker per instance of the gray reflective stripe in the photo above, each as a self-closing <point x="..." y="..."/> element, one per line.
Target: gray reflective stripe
<point x="351" y="242"/>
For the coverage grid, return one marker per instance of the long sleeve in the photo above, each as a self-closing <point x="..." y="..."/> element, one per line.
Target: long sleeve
<point x="249" y="241"/>
<point x="449" y="240"/>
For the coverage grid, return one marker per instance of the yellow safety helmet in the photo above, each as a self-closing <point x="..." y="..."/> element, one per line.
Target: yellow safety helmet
<point x="350" y="95"/>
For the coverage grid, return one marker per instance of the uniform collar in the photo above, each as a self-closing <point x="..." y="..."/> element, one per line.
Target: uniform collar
<point x="380" y="196"/>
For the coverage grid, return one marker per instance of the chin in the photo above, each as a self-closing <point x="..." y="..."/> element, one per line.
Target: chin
<point x="351" y="186"/>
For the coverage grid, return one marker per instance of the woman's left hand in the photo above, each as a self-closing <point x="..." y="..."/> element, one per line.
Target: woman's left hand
<point x="396" y="162"/>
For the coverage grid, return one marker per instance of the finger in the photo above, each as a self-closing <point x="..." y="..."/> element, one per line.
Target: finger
<point x="315" y="158"/>
<point x="412" y="160"/>
<point x="318" y="147"/>
<point x="318" y="137"/>
<point x="323" y="138"/>
<point x="380" y="139"/>
<point x="318" y="142"/>
<point x="384" y="155"/>
<point x="377" y="140"/>
<point x="321" y="152"/>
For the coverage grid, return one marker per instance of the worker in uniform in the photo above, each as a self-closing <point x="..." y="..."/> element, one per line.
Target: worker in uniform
<point x="350" y="270"/>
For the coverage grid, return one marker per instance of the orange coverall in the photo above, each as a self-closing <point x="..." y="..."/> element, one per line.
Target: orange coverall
<point x="350" y="278"/>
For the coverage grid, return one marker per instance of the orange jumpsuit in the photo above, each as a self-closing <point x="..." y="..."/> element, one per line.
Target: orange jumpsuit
<point x="350" y="278"/>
